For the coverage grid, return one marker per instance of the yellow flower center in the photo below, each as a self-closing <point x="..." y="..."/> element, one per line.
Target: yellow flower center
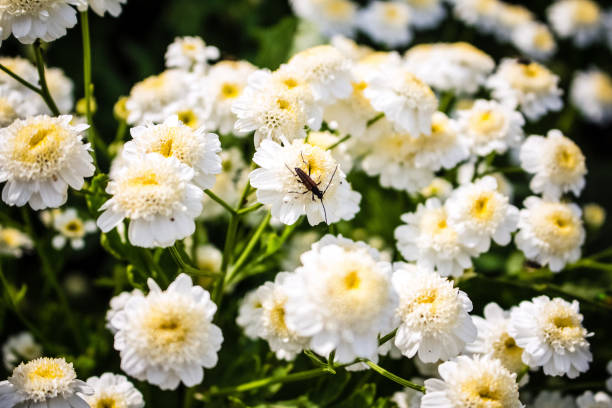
<point x="486" y="122"/>
<point x="144" y="180"/>
<point x="339" y="8"/>
<point x="562" y="326"/>
<point x="230" y="90"/>
<point x="483" y="208"/>
<point x="568" y="156"/>
<point x="603" y="86"/>
<point x="47" y="371"/>
<point x="10" y="237"/>
<point x="106" y="402"/>
<point x="351" y="280"/>
<point x="283" y="104"/>
<point x="391" y="13"/>
<point x="38" y="143"/>
<point x="167" y="329"/>
<point x="586" y="12"/>
<point x="276" y="319"/>
<point x="74" y="228"/>
<point x="189" y="118"/>
<point x="543" y="39"/>
<point x="290" y="83"/>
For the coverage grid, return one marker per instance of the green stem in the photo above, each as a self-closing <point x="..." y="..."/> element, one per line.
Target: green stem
<point x="121" y="128"/>
<point x="590" y="264"/>
<point x="252" y="208"/>
<point x="21" y="80"/>
<point x="44" y="88"/>
<point x="446" y="102"/>
<point x="155" y="268"/>
<point x="522" y="373"/>
<point x="387" y="337"/>
<point x="602" y="254"/>
<point x="344" y="139"/>
<point x="220" y="201"/>
<point x="401" y="381"/>
<point x="189" y="392"/>
<point x="249" y="248"/>
<point x="185" y="266"/>
<point x="375" y="119"/>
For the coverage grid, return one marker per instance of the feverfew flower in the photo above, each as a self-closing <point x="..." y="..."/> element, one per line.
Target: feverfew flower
<point x="117" y="303"/>
<point x="552" y="399"/>
<point x="406" y="101"/>
<point x="433" y="315"/>
<point x="342" y="298"/>
<point x="438" y="187"/>
<point x="157" y="194"/>
<point x="483" y="14"/>
<point x="13" y="242"/>
<point x="349" y="48"/>
<point x="430" y="239"/>
<point x="195" y="148"/>
<point x="71" y="228"/>
<point x="29" y="20"/>
<point x="112" y="390"/>
<point x="113" y="7"/>
<point x="490" y="126"/>
<point x="190" y="53"/>
<point x="510" y="18"/>
<point x="597" y="400"/>
<point x="279" y="186"/>
<point x="166" y="337"/>
<point x="472" y="382"/>
<point x="591" y="93"/>
<point x="494" y="340"/>
<point x="582" y="20"/>
<point x="479" y="213"/>
<point x="551" y="335"/>
<point x="43" y="382"/>
<point x="40" y="157"/>
<point x="556" y="162"/>
<point x="530" y="86"/>
<point x="327" y="139"/>
<point x="535" y="40"/>
<point x="208" y="258"/>
<point x="386" y="22"/>
<point x="15" y="104"/>
<point x="330" y="16"/>
<point x="426" y="13"/>
<point x="18" y="348"/>
<point x="61" y="88"/>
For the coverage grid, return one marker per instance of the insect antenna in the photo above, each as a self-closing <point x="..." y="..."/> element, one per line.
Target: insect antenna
<point x="330" y="180"/>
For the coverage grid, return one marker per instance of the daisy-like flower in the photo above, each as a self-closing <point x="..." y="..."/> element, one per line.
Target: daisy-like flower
<point x="556" y="162"/>
<point x="61" y="88"/>
<point x="280" y="186"/>
<point x="349" y="48"/>
<point x="327" y="139"/>
<point x="225" y="82"/>
<point x="15" y="105"/>
<point x="482" y="14"/>
<point x="406" y="101"/>
<point x="439" y="187"/>
<point x="208" y="258"/>
<point x="329" y="16"/>
<point x="430" y="239"/>
<point x="552" y="399"/>
<point x="100" y="7"/>
<point x="530" y="86"/>
<point x="535" y="40"/>
<point x="270" y="319"/>
<point x="14" y="242"/>
<point x="490" y="126"/>
<point x="40" y="157"/>
<point x="426" y="13"/>
<point x="71" y="228"/>
<point x="44" y="382"/>
<point x="433" y="315"/>
<point x="30" y="20"/>
<point x="458" y="67"/>
<point x="157" y="194"/>
<point x="597" y="400"/>
<point x="117" y="303"/>
<point x="479" y="214"/>
<point x="18" y="348"/>
<point x="494" y="340"/>
<point x="509" y="18"/>
<point x="195" y="148"/>
<point x="166" y="337"/>
<point x="472" y="382"/>
<point x="342" y="298"/>
<point x="190" y="53"/>
<point x="550" y="233"/>
<point x="580" y="20"/>
<point x="386" y="22"/>
<point x="591" y="93"/>
<point x="113" y="390"/>
<point x="552" y="336"/>
<point x="249" y="315"/>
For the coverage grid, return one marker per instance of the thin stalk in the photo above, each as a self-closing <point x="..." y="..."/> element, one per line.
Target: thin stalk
<point x="344" y="139"/>
<point x="249" y="248"/>
<point x="375" y="119"/>
<point x="21" y="80"/>
<point x="44" y="88"/>
<point x="387" y="337"/>
<point x="153" y="265"/>
<point x="252" y="208"/>
<point x="189" y="393"/>
<point x="227" y="253"/>
<point x="602" y="254"/>
<point x="185" y="266"/>
<point x="401" y="381"/>
<point x="590" y="264"/>
<point x="522" y="373"/>
<point x="220" y="201"/>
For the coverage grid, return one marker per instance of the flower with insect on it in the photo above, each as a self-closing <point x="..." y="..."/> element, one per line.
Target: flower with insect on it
<point x="300" y="179"/>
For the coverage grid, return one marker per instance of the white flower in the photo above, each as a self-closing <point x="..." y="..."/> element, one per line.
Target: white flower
<point x="29" y="20"/>
<point x="472" y="382"/>
<point x="433" y="315"/>
<point x="249" y="315"/>
<point x="386" y="22"/>
<point x="113" y="390"/>
<point x="195" y="148"/>
<point x="597" y="400"/>
<point x="483" y="14"/>
<point x="117" y="303"/>
<point x="208" y="258"/>
<point x="340" y="153"/>
<point x="18" y="348"/>
<point x="429" y="239"/>
<point x="550" y="233"/>
<point x="494" y="340"/>
<point x="342" y="298"/>
<point x="490" y="126"/>
<point x="190" y="53"/>
<point x="167" y="336"/>
<point x="279" y="185"/>
<point x="438" y="187"/>
<point x="426" y="13"/>
<point x="551" y="334"/>
<point x="61" y="88"/>
<point x="582" y="20"/>
<point x="510" y="18"/>
<point x="479" y="213"/>
<point x="43" y="382"/>
<point x="530" y="86"/>
<point x="349" y="48"/>
<point x="71" y="227"/>
<point x="40" y="157"/>
<point x="406" y="101"/>
<point x="591" y="93"/>
<point x="157" y="195"/>
<point x="15" y="104"/>
<point x="330" y="16"/>
<point x="458" y="67"/>
<point x="13" y="242"/>
<point x="534" y="40"/>
<point x="556" y="162"/>
<point x="20" y="66"/>
<point x="552" y="399"/>
<point x="100" y="7"/>
<point x="225" y="82"/>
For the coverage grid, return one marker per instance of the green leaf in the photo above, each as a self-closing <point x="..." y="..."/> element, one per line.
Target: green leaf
<point x="361" y="398"/>
<point x="17" y="297"/>
<point x="98" y="196"/>
<point x="275" y="42"/>
<point x="111" y="242"/>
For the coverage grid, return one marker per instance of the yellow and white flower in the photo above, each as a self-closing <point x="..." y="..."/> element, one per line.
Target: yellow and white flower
<point x="71" y="228"/>
<point x="591" y="93"/>
<point x="325" y="140"/>
<point x="510" y="18"/>
<point x="208" y="258"/>
<point x="386" y="22"/>
<point x="535" y="40"/>
<point x="580" y="20"/>
<point x="14" y="242"/>
<point x="482" y="14"/>
<point x="40" y="157"/>
<point x="100" y="7"/>
<point x="20" y="348"/>
<point x="113" y="390"/>
<point x="167" y="337"/>
<point x="190" y="54"/>
<point x="349" y="48"/>
<point x="433" y="315"/>
<point x="329" y="16"/>
<point x="552" y="336"/>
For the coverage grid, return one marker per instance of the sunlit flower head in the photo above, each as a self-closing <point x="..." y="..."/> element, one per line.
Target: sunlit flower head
<point x="349" y="48"/>
<point x="20" y="348"/>
<point x="329" y="16"/>
<point x="511" y="18"/>
<point x="579" y="20"/>
<point x="439" y="187"/>
<point x="190" y="53"/>
<point x="591" y="93"/>
<point x="482" y="14"/>
<point x="14" y="242"/>
<point x="386" y="22"/>
<point x="535" y="40"/>
<point x="71" y="228"/>
<point x="340" y="150"/>
<point x="113" y="391"/>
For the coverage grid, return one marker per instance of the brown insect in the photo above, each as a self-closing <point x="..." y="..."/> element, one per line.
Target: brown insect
<point x="311" y="185"/>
